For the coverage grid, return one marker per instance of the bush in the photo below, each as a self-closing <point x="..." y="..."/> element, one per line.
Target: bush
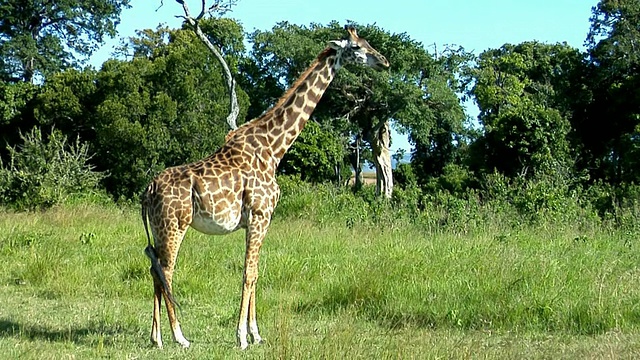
<point x="554" y="196"/>
<point x="43" y="172"/>
<point x="551" y="200"/>
<point x="617" y="205"/>
<point x="404" y="176"/>
<point x="328" y="204"/>
<point x="455" y="179"/>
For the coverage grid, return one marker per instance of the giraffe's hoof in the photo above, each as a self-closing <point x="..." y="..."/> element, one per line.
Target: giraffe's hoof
<point x="257" y="339"/>
<point x="180" y="339"/>
<point x="241" y="336"/>
<point x="184" y="343"/>
<point x="244" y="345"/>
<point x="156" y="344"/>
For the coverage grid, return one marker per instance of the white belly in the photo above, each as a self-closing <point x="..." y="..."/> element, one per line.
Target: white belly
<point x="216" y="224"/>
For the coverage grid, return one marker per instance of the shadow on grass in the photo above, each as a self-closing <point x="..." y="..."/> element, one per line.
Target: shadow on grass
<point x="94" y="333"/>
<point x="370" y="303"/>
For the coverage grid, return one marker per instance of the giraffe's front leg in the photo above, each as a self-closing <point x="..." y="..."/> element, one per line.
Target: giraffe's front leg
<point x="247" y="322"/>
<point x="244" y="312"/>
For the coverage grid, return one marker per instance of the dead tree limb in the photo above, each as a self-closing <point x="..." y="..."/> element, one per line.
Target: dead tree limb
<point x="219" y="7"/>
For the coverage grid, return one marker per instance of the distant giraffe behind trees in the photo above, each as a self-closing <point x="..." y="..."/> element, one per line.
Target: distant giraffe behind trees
<point x="236" y="186"/>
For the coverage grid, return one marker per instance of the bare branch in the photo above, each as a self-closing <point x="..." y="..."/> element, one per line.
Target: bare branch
<point x="202" y="12"/>
<point x="222" y="7"/>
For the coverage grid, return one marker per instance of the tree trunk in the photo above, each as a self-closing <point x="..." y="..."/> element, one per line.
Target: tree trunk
<point x="380" y="140"/>
<point x="354" y="159"/>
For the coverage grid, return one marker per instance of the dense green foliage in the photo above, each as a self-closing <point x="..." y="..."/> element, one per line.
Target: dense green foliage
<point x="138" y="116"/>
<point x="318" y="149"/>
<point x="160" y="109"/>
<point x="607" y="126"/>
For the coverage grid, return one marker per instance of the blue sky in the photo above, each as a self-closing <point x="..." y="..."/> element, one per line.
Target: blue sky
<point x="477" y="25"/>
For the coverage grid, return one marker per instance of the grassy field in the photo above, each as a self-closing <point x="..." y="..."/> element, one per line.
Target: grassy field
<point x="74" y="283"/>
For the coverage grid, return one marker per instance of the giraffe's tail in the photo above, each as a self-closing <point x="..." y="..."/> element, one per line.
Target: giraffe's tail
<point x="150" y="251"/>
<point x="156" y="269"/>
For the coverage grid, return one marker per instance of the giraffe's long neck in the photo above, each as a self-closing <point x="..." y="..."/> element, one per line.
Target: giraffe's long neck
<point x="287" y="118"/>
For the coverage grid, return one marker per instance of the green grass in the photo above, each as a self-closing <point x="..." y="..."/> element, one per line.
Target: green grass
<point x="74" y="283"/>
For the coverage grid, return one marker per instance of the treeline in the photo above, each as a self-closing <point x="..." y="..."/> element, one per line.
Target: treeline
<point x="555" y="122"/>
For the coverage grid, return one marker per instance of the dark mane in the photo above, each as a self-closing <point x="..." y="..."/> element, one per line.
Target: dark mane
<point x="303" y="77"/>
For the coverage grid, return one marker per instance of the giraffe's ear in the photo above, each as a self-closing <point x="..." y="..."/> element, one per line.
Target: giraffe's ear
<point x="337" y="44"/>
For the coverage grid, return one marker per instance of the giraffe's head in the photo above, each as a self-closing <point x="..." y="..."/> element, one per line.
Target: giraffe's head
<point x="356" y="49"/>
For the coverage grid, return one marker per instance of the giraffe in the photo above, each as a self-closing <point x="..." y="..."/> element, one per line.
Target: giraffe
<point x="236" y="186"/>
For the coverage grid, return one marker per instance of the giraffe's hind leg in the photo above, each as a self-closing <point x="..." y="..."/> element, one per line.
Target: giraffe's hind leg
<point x="156" y="337"/>
<point x="171" y="312"/>
<point x="168" y="253"/>
<point x="163" y="259"/>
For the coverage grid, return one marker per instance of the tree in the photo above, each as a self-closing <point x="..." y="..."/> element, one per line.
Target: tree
<point x="437" y="125"/>
<point x="609" y="125"/>
<point x="521" y="92"/>
<point x="163" y="105"/>
<point x="67" y="102"/>
<point x="16" y="113"/>
<point x="41" y="37"/>
<point x="361" y="104"/>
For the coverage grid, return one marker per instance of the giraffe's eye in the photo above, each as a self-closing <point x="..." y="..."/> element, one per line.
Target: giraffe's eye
<point x="355" y="46"/>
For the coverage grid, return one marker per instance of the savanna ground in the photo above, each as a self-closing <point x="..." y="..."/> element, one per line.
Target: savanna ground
<point x="74" y="283"/>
